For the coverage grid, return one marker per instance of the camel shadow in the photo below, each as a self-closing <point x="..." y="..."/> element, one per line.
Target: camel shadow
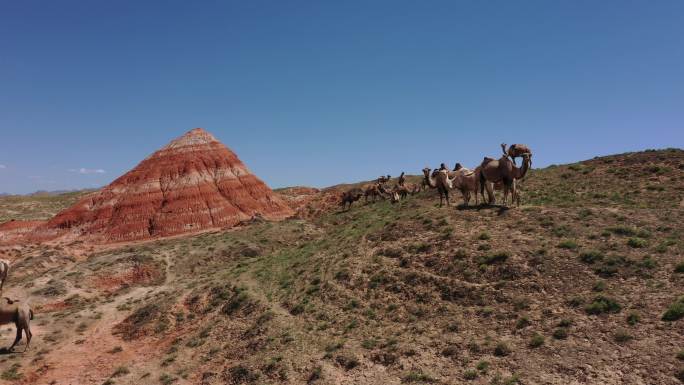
<point x="501" y="209"/>
<point x="4" y="351"/>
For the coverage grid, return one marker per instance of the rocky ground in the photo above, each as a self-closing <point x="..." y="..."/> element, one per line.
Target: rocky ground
<point x="583" y="284"/>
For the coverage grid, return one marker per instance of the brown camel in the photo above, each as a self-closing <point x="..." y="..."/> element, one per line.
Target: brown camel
<point x="502" y="170"/>
<point x="516" y="150"/>
<point x="439" y="180"/>
<point x="350" y="197"/>
<point x="402" y="179"/>
<point x="20" y="314"/>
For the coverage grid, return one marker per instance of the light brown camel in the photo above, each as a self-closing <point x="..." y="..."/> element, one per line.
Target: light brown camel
<point x="20" y="314"/>
<point x="516" y="150"/>
<point x="403" y="190"/>
<point x="374" y="191"/>
<point x="439" y="180"/>
<point x="4" y="270"/>
<point x="501" y="170"/>
<point x="466" y="181"/>
<point x="350" y="197"/>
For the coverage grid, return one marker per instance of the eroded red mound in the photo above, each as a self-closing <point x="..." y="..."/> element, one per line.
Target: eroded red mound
<point x="194" y="183"/>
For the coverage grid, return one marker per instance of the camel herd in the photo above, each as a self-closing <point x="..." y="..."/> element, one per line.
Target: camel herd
<point x="14" y="311"/>
<point x="491" y="174"/>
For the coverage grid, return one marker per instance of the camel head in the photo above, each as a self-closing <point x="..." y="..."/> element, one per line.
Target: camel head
<point x="527" y="158"/>
<point x="426" y="172"/>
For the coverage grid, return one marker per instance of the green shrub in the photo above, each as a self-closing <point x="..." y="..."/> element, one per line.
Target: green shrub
<point x="502" y="349"/>
<point x="591" y="256"/>
<point x="622" y="336"/>
<point x="470" y="374"/>
<point x="568" y="244"/>
<point x="675" y="311"/>
<point x="633" y="318"/>
<point x="575" y="301"/>
<point x="523" y="322"/>
<point x="347" y="362"/>
<point x="648" y="263"/>
<point x="622" y="230"/>
<point x="537" y="340"/>
<point x="417" y="376"/>
<point x="599" y="286"/>
<point x="564" y="323"/>
<point x="637" y="243"/>
<point x="560" y="333"/>
<point x="490" y="259"/>
<point x="602" y="305"/>
<point x="679" y="268"/>
<point x="166" y="379"/>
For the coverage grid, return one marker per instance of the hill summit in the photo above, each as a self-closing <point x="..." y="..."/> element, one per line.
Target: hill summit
<point x="194" y="183"/>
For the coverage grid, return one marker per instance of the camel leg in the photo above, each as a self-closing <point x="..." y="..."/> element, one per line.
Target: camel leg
<point x="27" y="330"/>
<point x="514" y="192"/>
<point x="446" y="193"/>
<point x="17" y="339"/>
<point x="490" y="193"/>
<point x="505" y="194"/>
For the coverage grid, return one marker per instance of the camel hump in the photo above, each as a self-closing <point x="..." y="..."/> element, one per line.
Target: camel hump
<point x="487" y="160"/>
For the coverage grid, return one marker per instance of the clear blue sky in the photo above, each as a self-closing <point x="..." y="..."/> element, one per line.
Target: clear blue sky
<point x="324" y="92"/>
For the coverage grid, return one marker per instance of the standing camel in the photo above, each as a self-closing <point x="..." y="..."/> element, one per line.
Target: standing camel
<point x="18" y="313"/>
<point x="466" y="181"/>
<point x="439" y="180"/>
<point x="502" y="170"/>
<point x="350" y="197"/>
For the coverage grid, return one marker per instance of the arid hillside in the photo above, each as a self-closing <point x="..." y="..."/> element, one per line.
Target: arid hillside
<point x="582" y="284"/>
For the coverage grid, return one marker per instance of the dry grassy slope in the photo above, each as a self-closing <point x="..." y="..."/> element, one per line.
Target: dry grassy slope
<point x="36" y="207"/>
<point x="384" y="294"/>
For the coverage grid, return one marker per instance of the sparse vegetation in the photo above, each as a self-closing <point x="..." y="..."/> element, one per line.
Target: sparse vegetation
<point x="675" y="311"/>
<point x="537" y="340"/>
<point x="602" y="305"/>
<point x="568" y="244"/>
<point x="637" y="243"/>
<point x="12" y="373"/>
<point x="417" y="377"/>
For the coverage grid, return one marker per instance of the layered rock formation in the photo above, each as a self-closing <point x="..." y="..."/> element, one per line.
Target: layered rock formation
<point x="194" y="183"/>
